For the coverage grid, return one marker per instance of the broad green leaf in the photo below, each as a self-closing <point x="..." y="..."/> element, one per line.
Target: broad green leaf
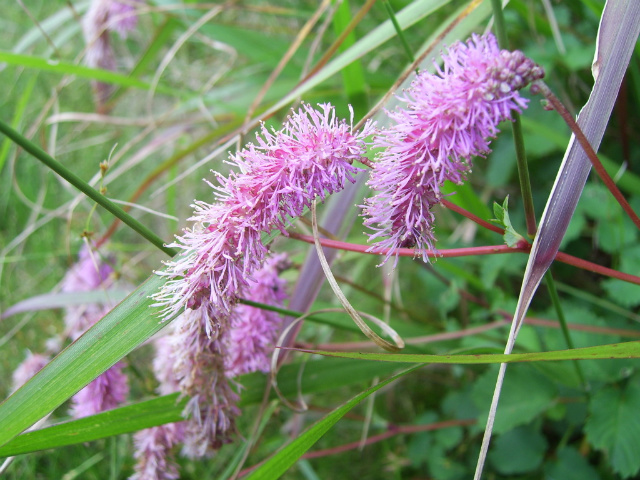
<point x="526" y="394"/>
<point x="614" y="350"/>
<point x="118" y="333"/>
<point x="518" y="451"/>
<point x="280" y="462"/>
<point x="613" y="425"/>
<point x="569" y="464"/>
<point x="318" y="376"/>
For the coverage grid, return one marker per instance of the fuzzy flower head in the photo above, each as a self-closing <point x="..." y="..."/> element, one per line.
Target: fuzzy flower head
<point x="254" y="331"/>
<point x="122" y="16"/>
<point x="449" y="117"/>
<point x="153" y="448"/>
<point x="32" y="364"/>
<point x="104" y="393"/>
<point x="198" y="366"/>
<point x="103" y="17"/>
<point x="280" y="175"/>
<point x="88" y="274"/>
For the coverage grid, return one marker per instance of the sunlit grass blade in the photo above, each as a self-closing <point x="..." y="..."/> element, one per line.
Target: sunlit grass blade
<point x="118" y="333"/>
<point x="280" y="462"/>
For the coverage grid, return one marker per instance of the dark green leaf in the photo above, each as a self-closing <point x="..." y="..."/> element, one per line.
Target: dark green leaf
<point x="520" y="450"/>
<point x="613" y="425"/>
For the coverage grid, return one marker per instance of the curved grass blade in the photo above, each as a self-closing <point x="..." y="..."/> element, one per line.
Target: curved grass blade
<point x="280" y="462"/>
<point x="118" y="333"/>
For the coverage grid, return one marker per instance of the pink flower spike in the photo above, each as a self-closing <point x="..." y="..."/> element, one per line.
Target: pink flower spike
<point x="152" y="452"/>
<point x="449" y="118"/>
<point x="199" y="370"/>
<point x="89" y="274"/>
<point x="122" y="16"/>
<point x="311" y="156"/>
<point x="106" y="392"/>
<point x="28" y="368"/>
<point x="254" y="331"/>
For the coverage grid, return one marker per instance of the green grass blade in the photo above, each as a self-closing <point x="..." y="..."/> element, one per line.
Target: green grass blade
<point x="118" y="333"/>
<point x="319" y="376"/>
<point x="67" y="68"/>
<point x="615" y="350"/>
<point x="352" y="75"/>
<point x="275" y="466"/>
<point x="127" y="419"/>
<point x="17" y="118"/>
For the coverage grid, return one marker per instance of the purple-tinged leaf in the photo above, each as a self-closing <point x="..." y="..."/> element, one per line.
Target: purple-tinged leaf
<point x="619" y="30"/>
<point x="64" y="299"/>
<point x="617" y="35"/>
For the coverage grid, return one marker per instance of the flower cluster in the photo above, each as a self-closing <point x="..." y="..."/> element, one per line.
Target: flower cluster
<point x="32" y="364"/>
<point x="107" y="391"/>
<point x="254" y="331"/>
<point x="311" y="156"/>
<point x="200" y="365"/>
<point x="153" y="446"/>
<point x="102" y="17"/>
<point x="449" y="117"/>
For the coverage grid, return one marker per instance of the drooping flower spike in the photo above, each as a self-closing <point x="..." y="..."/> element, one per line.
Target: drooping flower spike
<point x="254" y="331"/>
<point x="312" y="155"/>
<point x="449" y="117"/>
<point x="154" y="446"/>
<point x="102" y="17"/>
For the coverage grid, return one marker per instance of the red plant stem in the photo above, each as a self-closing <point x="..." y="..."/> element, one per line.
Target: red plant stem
<point x="523" y="247"/>
<point x="392" y="431"/>
<point x="471" y="216"/>
<point x="410" y="252"/>
<point x="586" y="146"/>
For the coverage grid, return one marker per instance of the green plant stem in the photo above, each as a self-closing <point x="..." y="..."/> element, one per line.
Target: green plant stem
<point x="516" y="128"/>
<point x="498" y="19"/>
<point x="84" y="187"/>
<point x="555" y="299"/>
<point x="401" y="36"/>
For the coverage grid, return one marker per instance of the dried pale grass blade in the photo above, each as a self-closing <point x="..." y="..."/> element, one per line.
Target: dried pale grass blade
<point x="355" y="316"/>
<point x="617" y="35"/>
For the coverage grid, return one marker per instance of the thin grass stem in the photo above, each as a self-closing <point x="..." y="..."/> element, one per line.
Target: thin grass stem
<point x="84" y="187"/>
